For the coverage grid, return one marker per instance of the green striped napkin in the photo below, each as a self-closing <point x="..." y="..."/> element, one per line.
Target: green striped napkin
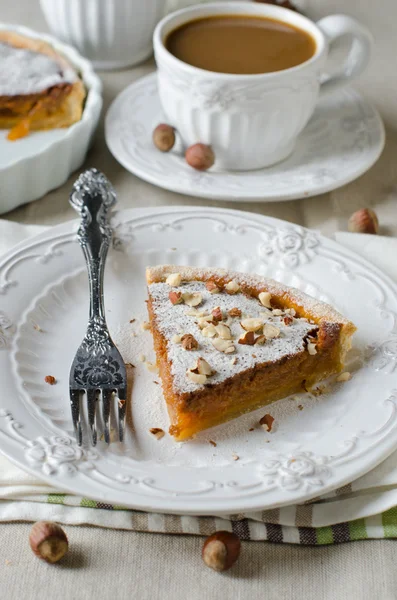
<point x="73" y="510"/>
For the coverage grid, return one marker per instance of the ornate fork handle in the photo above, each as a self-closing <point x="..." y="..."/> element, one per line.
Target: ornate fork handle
<point x="98" y="370"/>
<point x="92" y="197"/>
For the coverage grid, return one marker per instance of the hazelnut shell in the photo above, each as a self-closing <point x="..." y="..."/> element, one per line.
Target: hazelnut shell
<point x="175" y="297"/>
<point x="221" y="550"/>
<point x="189" y="342"/>
<point x="164" y="137"/>
<point x="364" y="220"/>
<point x="48" y="541"/>
<point x="200" y="157"/>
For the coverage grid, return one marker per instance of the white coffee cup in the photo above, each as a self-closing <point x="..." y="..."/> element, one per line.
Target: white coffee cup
<point x="112" y="33"/>
<point x="253" y="121"/>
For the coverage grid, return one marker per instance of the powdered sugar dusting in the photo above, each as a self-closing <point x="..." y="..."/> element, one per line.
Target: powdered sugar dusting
<point x="25" y="72"/>
<point x="175" y="319"/>
<point x="318" y="309"/>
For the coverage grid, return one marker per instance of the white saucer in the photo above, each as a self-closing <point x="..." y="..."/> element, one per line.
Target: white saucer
<point x="344" y="139"/>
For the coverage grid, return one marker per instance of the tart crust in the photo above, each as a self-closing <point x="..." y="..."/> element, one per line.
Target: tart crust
<point x="58" y="106"/>
<point x="193" y="409"/>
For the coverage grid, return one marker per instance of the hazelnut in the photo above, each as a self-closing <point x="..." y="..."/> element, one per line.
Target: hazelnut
<point x="157" y="432"/>
<point x="196" y="377"/>
<point x="288" y="320"/>
<point x="221" y="550"/>
<point x="232" y="287"/>
<point x="164" y="137"/>
<point x="48" y="541"/>
<point x="217" y="313"/>
<point x="223" y="331"/>
<point x="234" y="312"/>
<point x="204" y="321"/>
<point x="260" y="340"/>
<point x="192" y="299"/>
<point x="200" y="157"/>
<point x="209" y="331"/>
<point x="251" y="324"/>
<point x="270" y="331"/>
<point x="364" y="220"/>
<point x="225" y="346"/>
<point x="50" y="380"/>
<point x="264" y="299"/>
<point x="212" y="288"/>
<point x="267" y="422"/>
<point x="189" y="342"/>
<point x="175" y="297"/>
<point x="248" y="339"/>
<point x="203" y="367"/>
<point x="174" y="279"/>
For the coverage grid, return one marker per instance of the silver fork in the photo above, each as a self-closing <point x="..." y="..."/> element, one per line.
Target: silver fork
<point x="98" y="368"/>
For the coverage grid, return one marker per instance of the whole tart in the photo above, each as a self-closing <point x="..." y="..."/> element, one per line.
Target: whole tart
<point x="39" y="88"/>
<point x="228" y="343"/>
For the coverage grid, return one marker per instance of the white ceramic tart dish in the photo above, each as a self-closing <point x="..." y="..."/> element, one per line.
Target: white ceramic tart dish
<point x="317" y="444"/>
<point x="43" y="160"/>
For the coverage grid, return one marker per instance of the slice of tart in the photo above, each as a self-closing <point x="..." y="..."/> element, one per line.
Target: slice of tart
<point x="228" y="343"/>
<point x="39" y="89"/>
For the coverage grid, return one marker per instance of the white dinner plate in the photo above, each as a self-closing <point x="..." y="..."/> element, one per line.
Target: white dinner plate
<point x="318" y="443"/>
<point x="344" y="138"/>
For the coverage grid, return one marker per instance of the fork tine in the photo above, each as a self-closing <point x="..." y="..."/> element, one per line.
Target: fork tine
<point x="106" y="398"/>
<point x="75" y="404"/>
<point x="122" y="404"/>
<point x="92" y="397"/>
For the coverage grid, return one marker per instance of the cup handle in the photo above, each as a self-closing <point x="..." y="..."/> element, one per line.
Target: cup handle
<point x="334" y="27"/>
